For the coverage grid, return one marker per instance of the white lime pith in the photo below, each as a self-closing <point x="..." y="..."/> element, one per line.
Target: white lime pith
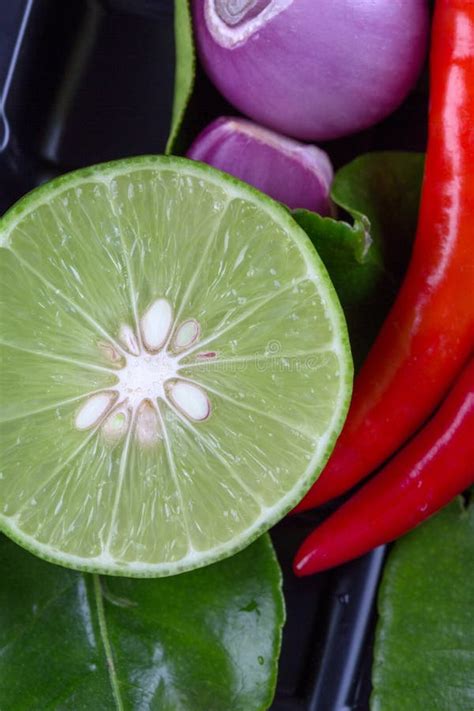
<point x="175" y="367"/>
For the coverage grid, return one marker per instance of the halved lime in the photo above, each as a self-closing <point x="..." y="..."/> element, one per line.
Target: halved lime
<point x="175" y="367"/>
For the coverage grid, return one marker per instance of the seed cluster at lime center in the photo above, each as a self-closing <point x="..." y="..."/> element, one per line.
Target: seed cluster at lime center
<point x="147" y="361"/>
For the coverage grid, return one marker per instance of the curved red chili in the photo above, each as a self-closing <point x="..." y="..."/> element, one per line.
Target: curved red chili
<point x="435" y="466"/>
<point x="430" y="330"/>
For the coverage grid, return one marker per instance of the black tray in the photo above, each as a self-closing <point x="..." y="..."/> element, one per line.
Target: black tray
<point x="84" y="81"/>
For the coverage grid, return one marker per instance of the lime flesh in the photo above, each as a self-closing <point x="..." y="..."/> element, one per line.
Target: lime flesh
<point x="175" y="367"/>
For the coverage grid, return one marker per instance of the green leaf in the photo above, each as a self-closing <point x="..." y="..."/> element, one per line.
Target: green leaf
<point x="185" y="68"/>
<point x="424" y="653"/>
<point x="382" y="191"/>
<point x="207" y="640"/>
<point x="366" y="256"/>
<point x="356" y="270"/>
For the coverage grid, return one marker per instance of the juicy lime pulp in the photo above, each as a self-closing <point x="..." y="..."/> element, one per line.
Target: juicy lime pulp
<point x="175" y="367"/>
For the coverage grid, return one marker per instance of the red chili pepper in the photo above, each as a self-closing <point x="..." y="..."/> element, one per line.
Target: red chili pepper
<point x="434" y="467"/>
<point x="429" y="332"/>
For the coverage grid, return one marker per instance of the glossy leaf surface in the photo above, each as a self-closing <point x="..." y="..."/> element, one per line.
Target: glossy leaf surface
<point x="424" y="654"/>
<point x="185" y="61"/>
<point x="367" y="250"/>
<point x="205" y="640"/>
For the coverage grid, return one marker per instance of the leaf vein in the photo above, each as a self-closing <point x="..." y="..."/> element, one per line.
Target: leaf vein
<point x="104" y="634"/>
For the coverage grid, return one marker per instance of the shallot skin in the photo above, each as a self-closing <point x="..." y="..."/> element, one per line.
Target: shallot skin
<point x="313" y="69"/>
<point x="291" y="172"/>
